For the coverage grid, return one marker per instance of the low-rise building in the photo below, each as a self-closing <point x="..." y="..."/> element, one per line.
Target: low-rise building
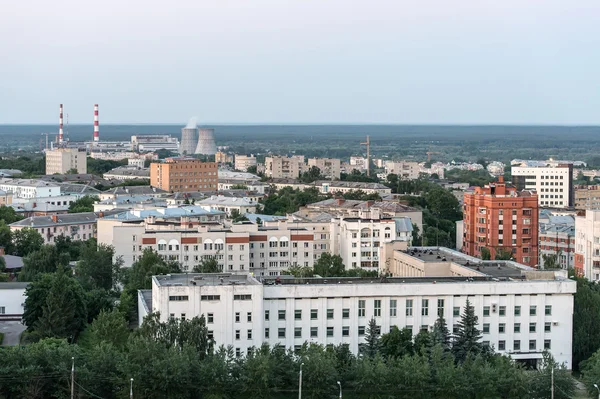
<point x="6" y="198"/>
<point x="334" y="187"/>
<point x="128" y="173"/>
<point x="228" y="204"/>
<point x="154" y="142"/>
<point x="243" y="162"/>
<point x="29" y="188"/>
<point x="521" y="312"/>
<point x="128" y="191"/>
<point x="12" y="300"/>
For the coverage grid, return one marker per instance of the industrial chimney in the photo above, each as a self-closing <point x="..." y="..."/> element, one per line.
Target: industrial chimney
<point x="60" y="123"/>
<point x="206" y="142"/>
<point x="189" y="138"/>
<point x="96" y="126"/>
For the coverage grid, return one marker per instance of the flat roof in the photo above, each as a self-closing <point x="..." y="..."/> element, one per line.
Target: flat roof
<point x="204" y="279"/>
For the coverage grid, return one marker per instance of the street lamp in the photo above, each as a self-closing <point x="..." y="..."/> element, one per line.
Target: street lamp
<point x="596" y="386"/>
<point x="131" y="389"/>
<point x="340" y="384"/>
<point x="300" y="382"/>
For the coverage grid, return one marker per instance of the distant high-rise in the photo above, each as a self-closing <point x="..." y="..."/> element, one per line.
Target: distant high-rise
<point x="206" y="142"/>
<point x="189" y="138"/>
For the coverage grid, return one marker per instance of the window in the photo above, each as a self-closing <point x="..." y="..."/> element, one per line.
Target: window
<point x="345" y="331"/>
<point x="501" y="345"/>
<point x="532" y="310"/>
<point x="361" y="307"/>
<point x="266" y="315"/>
<point x="266" y="333"/>
<point x="456" y="311"/>
<point x="238" y="352"/>
<point x="377" y="307"/>
<point x="517" y="345"/>
<point x="517" y="327"/>
<point x="249" y="333"/>
<point x="486" y="328"/>
<point x="330" y="331"/>
<point x="249" y="317"/>
<point x="409" y="307"/>
<point x="440" y="307"/>
<point x="237" y="334"/>
<point x="281" y="332"/>
<point x="361" y="331"/>
<point x="548" y="310"/>
<point x="547" y="344"/>
<point x="314" y="314"/>
<point x="210" y="297"/>
<point x="329" y="314"/>
<point x="314" y="332"/>
<point x="298" y="332"/>
<point x="531" y="327"/>
<point x="517" y="311"/>
<point x="393" y="304"/>
<point x="298" y="314"/>
<point x="237" y="317"/>
<point x="547" y="327"/>
<point x="242" y="297"/>
<point x="532" y="345"/>
<point x="501" y="328"/>
<point x="210" y="318"/>
<point x="183" y="316"/>
<point x="425" y="307"/>
<point x="281" y="314"/>
<point x="179" y="298"/>
<point x="486" y="310"/>
<point x="345" y="313"/>
<point x="502" y="311"/>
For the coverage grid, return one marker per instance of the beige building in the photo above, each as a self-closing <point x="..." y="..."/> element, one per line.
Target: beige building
<point x="243" y="162"/>
<point x="587" y="197"/>
<point x="62" y="160"/>
<point x="330" y="167"/>
<point x="5" y="197"/>
<point x="222" y="157"/>
<point x="284" y="167"/>
<point x="404" y="169"/>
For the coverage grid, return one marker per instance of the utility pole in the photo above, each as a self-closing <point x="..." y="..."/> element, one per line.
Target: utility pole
<point x="300" y="382"/>
<point x="368" y="144"/>
<point x="73" y="378"/>
<point x="131" y="389"/>
<point x="552" y="387"/>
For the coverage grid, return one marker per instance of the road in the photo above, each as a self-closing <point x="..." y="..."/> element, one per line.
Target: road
<point x="12" y="331"/>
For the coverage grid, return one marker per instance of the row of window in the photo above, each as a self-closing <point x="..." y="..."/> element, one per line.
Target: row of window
<point x="517" y="327"/>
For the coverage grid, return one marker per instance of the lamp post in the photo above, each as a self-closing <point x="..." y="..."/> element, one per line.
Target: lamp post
<point x="340" y="384"/>
<point x="131" y="389"/>
<point x="598" y="389"/>
<point x="300" y="382"/>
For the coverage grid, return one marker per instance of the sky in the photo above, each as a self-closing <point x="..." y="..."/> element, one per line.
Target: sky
<point x="302" y="61"/>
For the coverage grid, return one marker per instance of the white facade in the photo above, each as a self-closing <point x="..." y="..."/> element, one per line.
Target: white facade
<point x="154" y="142"/>
<point x="521" y="318"/>
<point x="360" y="241"/>
<point x="29" y="188"/>
<point x="587" y="245"/>
<point x="61" y="160"/>
<point x="552" y="184"/>
<point x="228" y="204"/>
<point x="243" y="162"/>
<point x="12" y="300"/>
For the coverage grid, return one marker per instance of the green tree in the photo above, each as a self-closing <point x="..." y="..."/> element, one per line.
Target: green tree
<point x="6" y="237"/>
<point x="311" y="175"/>
<point x="503" y="254"/>
<point x="96" y="301"/>
<point x="108" y="327"/>
<point x="239" y="187"/>
<point x="329" y="265"/>
<point x="541" y="383"/>
<point x="320" y="374"/>
<point x="467" y="339"/>
<point x="64" y="314"/>
<point x="96" y="269"/>
<point x="236" y="216"/>
<point x="26" y="240"/>
<point x="299" y="271"/>
<point x="441" y="334"/>
<point x="251" y="169"/>
<point x="208" y="265"/>
<point x="139" y="276"/>
<point x="64" y="244"/>
<point x="9" y="215"/>
<point x="586" y="323"/>
<point x="72" y="171"/>
<point x="590" y="370"/>
<point x="3" y="274"/>
<point x="44" y="260"/>
<point x="83" y="204"/>
<point x="36" y="294"/>
<point x="485" y="254"/>
<point x="372" y="339"/>
<point x="177" y="333"/>
<point x="551" y="261"/>
<point x="397" y="343"/>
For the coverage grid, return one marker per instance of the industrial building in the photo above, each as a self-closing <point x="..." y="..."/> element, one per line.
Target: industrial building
<point x="521" y="312"/>
<point x="206" y="142"/>
<point x="184" y="174"/>
<point x="154" y="142"/>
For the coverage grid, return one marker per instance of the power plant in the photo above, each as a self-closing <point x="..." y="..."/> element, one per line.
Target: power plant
<point x="189" y="138"/>
<point x="206" y="142"/>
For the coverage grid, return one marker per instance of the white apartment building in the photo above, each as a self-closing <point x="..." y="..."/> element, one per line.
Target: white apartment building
<point x="225" y="204"/>
<point x="333" y="187"/>
<point x="330" y="167"/>
<point x="61" y="160"/>
<point x="12" y="300"/>
<point x="29" y="188"/>
<point x="520" y="317"/>
<point x="587" y="245"/>
<point x="243" y="162"/>
<point x="554" y="185"/>
<point x="278" y="167"/>
<point x="406" y="170"/>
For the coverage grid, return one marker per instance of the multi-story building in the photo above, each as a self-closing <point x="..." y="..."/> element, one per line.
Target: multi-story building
<point x="587" y="197"/>
<point x="243" y="162"/>
<point x="554" y="185"/>
<point x="587" y="245"/>
<point x="330" y="167"/>
<point x="278" y="167"/>
<point x="500" y="217"/>
<point x="184" y="174"/>
<point x="154" y="142"/>
<point x="223" y="157"/>
<point x="521" y="313"/>
<point x="406" y="170"/>
<point x="29" y="188"/>
<point x="226" y="204"/>
<point x="557" y="238"/>
<point x="62" y="160"/>
<point x="6" y="197"/>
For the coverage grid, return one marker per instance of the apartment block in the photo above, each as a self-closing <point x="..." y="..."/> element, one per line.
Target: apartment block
<point x="184" y="174"/>
<point x="587" y="197"/>
<point x="554" y="185"/>
<point x="405" y="170"/>
<point x="62" y="160"/>
<point x="243" y="162"/>
<point x="521" y="312"/>
<point x="330" y="167"/>
<point x="222" y="157"/>
<point x="284" y="167"/>
<point x="29" y="188"/>
<point x="587" y="245"/>
<point x="497" y="217"/>
<point x="557" y="238"/>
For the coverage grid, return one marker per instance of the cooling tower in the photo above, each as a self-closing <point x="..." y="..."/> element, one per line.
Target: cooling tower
<point x="189" y="140"/>
<point x="206" y="142"/>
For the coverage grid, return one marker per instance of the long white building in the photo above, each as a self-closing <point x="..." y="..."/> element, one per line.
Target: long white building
<point x="29" y="188"/>
<point x="554" y="185"/>
<point x="521" y="313"/>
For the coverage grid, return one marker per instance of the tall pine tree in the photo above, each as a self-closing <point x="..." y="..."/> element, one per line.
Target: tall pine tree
<point x="467" y="340"/>
<point x="440" y="334"/>
<point x="372" y="339"/>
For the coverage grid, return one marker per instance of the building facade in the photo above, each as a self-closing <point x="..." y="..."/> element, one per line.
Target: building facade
<point x="184" y="174"/>
<point x="278" y="167"/>
<point x="154" y="142"/>
<point x="330" y="167"/>
<point x="587" y="245"/>
<point x="554" y="185"/>
<point x="243" y="162"/>
<point x="587" y="197"/>
<point x="500" y="217"/>
<point x="62" y="160"/>
<point x="406" y="170"/>
<point x="12" y="300"/>
<point x="29" y="188"/>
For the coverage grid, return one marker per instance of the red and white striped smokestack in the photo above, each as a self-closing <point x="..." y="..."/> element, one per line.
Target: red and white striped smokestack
<point x="96" y="126"/>
<point x="60" y="123"/>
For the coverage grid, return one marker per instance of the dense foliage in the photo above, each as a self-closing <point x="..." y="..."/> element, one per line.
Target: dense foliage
<point x="289" y="200"/>
<point x="101" y="166"/>
<point x="83" y="204"/>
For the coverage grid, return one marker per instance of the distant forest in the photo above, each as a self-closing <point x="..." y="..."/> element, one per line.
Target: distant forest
<point x="448" y="143"/>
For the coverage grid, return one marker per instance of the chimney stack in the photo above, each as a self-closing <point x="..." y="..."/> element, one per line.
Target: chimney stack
<point x="60" y="123"/>
<point x="96" y="126"/>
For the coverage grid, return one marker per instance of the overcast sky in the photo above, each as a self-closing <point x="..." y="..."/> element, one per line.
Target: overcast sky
<point x="301" y="61"/>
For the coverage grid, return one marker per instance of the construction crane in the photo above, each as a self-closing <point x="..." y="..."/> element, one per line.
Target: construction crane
<point x="429" y="154"/>
<point x="368" y="144"/>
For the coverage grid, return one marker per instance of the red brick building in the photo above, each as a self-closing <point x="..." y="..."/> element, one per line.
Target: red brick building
<point x="498" y="217"/>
